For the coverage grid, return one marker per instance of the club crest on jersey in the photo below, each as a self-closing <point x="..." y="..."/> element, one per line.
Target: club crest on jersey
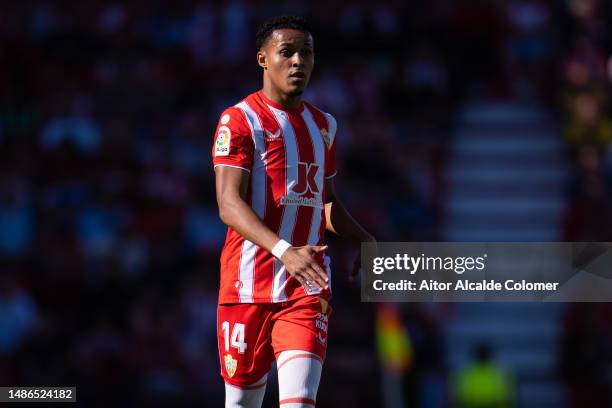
<point x="231" y="364"/>
<point x="326" y="137"/>
<point x="222" y="144"/>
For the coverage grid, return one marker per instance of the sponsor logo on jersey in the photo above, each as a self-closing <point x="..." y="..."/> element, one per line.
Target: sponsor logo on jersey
<point x="305" y="191"/>
<point x="303" y="201"/>
<point x="306" y="182"/>
<point x="222" y="144"/>
<point x="225" y="119"/>
<point x="231" y="364"/>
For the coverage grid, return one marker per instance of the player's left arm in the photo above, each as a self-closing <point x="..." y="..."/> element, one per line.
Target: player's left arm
<point x="340" y="222"/>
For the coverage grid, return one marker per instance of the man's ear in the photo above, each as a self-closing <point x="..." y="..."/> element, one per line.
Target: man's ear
<point x="261" y="59"/>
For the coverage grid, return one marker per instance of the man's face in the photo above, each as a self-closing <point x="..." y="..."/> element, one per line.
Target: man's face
<point x="289" y="57"/>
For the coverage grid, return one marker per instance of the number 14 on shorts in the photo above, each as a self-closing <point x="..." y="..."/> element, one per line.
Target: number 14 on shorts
<point x="237" y="337"/>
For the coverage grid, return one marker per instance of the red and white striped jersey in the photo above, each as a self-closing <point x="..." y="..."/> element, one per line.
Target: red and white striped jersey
<point x="289" y="153"/>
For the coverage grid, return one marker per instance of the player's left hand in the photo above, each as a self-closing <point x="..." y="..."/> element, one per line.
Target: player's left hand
<point x="357" y="263"/>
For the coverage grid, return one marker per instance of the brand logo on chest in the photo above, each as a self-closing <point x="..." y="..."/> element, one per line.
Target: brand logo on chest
<point x="272" y="137"/>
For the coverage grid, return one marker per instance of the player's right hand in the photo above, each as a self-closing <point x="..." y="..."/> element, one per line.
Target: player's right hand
<point x="300" y="262"/>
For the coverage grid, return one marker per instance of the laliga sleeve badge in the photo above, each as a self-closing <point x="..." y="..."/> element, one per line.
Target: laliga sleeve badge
<point x="325" y="135"/>
<point x="222" y="144"/>
<point x="231" y="364"/>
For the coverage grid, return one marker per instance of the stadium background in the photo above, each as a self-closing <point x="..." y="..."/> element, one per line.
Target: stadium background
<point x="467" y="121"/>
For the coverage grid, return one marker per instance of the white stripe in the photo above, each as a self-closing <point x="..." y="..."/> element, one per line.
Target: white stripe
<point x="247" y="266"/>
<point x="319" y="156"/>
<point x="279" y="281"/>
<point x="327" y="263"/>
<point x="258" y="203"/>
<point x="258" y="184"/>
<point x="333" y="126"/>
<point x="289" y="211"/>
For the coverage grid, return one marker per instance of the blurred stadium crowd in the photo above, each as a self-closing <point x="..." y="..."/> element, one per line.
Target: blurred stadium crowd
<point x="109" y="232"/>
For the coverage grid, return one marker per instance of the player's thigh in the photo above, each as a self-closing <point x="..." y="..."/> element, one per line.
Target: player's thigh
<point x="302" y="325"/>
<point x="244" y="338"/>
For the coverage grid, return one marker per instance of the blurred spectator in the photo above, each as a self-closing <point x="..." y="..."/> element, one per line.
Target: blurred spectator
<point x="18" y="315"/>
<point x="16" y="216"/>
<point x="75" y="128"/>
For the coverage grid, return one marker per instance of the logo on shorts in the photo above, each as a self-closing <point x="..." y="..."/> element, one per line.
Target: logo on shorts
<point x="231" y="364"/>
<point x="321" y="322"/>
<point x="222" y="143"/>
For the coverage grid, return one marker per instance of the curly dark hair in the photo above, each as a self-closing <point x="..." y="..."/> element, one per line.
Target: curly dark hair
<point x="278" y="23"/>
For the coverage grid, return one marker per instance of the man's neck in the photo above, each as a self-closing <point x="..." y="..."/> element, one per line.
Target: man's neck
<point x="286" y="101"/>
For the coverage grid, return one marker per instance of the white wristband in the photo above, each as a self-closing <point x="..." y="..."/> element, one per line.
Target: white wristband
<point x="280" y="248"/>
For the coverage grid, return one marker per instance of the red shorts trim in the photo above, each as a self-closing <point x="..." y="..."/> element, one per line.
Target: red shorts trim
<point x="251" y="335"/>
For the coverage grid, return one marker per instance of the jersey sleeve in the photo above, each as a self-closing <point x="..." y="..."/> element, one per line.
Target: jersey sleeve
<point x="330" y="162"/>
<point x="233" y="145"/>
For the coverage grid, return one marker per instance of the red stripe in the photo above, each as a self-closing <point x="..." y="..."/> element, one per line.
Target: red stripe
<point x="303" y="222"/>
<point x="250" y="201"/>
<point x="276" y="177"/>
<point x="319" y="118"/>
<point x="297" y="400"/>
<point x="312" y="356"/>
<point x="321" y="121"/>
<point x="231" y="255"/>
<point x="305" y="155"/>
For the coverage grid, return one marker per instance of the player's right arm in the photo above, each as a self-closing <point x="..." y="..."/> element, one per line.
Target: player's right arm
<point x="232" y="157"/>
